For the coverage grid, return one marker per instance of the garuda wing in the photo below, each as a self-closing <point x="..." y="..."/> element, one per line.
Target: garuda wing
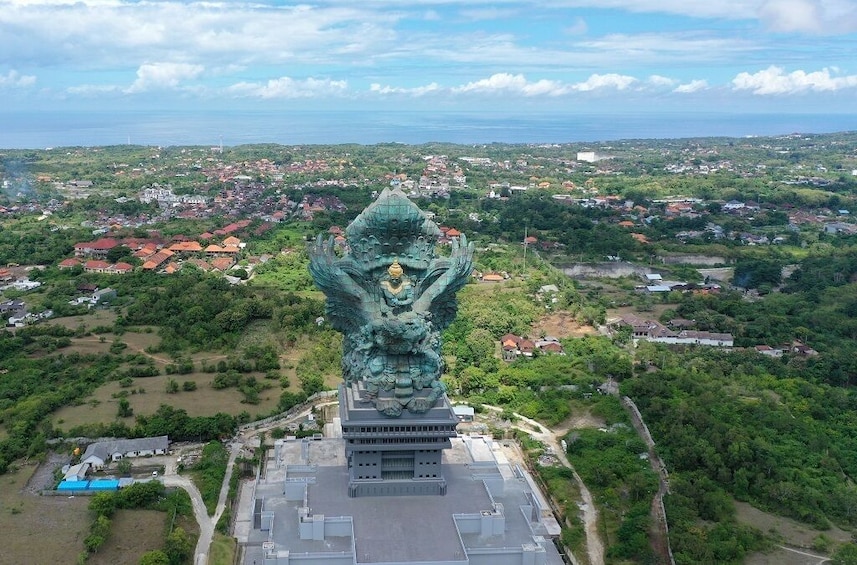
<point x="340" y="280"/>
<point x="444" y="277"/>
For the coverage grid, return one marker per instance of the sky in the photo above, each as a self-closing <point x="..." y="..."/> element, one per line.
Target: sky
<point x="572" y="56"/>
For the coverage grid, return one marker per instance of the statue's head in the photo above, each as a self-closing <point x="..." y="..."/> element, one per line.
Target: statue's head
<point x="395" y="271"/>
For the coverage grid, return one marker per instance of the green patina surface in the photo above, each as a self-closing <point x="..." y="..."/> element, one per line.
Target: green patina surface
<point x="391" y="297"/>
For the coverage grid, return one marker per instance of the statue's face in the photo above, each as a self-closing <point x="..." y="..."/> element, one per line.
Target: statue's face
<point x="395" y="281"/>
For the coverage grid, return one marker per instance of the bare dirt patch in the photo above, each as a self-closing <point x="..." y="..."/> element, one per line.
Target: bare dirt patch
<point x="561" y="325"/>
<point x="577" y="421"/>
<point x="653" y="314"/>
<point x="132" y="533"/>
<point x="39" y="529"/>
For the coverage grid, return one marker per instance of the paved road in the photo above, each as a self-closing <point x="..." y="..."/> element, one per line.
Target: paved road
<point x="206" y="523"/>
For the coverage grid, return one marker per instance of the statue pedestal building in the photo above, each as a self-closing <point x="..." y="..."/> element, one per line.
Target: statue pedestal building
<point x="391" y="295"/>
<point x="393" y="456"/>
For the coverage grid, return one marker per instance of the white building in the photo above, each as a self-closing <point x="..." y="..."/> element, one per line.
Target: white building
<point x="100" y="453"/>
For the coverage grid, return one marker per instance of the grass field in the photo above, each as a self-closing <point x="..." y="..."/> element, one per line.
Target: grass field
<point x="39" y="529"/>
<point x="205" y="401"/>
<point x="132" y="533"/>
<point x="790" y="532"/>
<point x="222" y="550"/>
<point x="102" y="406"/>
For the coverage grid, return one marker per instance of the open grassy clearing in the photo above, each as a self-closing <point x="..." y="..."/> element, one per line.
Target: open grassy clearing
<point x="790" y="532"/>
<point x="93" y="319"/>
<point x="132" y="533"/>
<point x="205" y="401"/>
<point x="39" y="529"/>
<point x="222" y="550"/>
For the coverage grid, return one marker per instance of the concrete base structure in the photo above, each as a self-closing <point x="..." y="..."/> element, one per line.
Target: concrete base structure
<point x="299" y="512"/>
<point x="394" y="456"/>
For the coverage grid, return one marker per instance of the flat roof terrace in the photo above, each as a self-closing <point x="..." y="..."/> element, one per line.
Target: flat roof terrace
<point x="399" y="529"/>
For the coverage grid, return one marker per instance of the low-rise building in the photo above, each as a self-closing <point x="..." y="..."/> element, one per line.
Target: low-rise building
<point x="100" y="453"/>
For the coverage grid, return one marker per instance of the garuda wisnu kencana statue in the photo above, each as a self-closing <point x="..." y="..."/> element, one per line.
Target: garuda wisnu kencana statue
<point x="391" y="297"/>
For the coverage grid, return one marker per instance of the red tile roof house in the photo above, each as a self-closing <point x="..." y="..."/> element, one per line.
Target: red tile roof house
<point x="509" y="344"/>
<point x="527" y="347"/>
<point x="222" y="264"/>
<point x="98" y="248"/>
<point x="120" y="268"/>
<point x="96" y="266"/>
<point x="157" y="259"/>
<point x="68" y="263"/>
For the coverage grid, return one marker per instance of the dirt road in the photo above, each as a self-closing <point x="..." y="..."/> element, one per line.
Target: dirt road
<point x="594" y="545"/>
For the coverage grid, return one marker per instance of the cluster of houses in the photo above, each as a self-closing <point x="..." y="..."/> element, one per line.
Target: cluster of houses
<point x="93" y="296"/>
<point x="437" y="179"/>
<point x="676" y="332"/>
<point x="655" y="283"/>
<point x="160" y="256"/>
<point x="16" y="315"/>
<point x="796" y="347"/>
<point x="652" y="330"/>
<point x="515" y="346"/>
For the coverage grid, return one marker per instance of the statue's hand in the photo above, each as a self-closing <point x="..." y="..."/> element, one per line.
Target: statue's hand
<point x="461" y="256"/>
<point x="323" y="263"/>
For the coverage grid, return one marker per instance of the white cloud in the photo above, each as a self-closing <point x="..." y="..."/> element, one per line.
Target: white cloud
<point x="513" y="84"/>
<point x="414" y="91"/>
<point x="822" y="17"/>
<point x="810" y="16"/>
<point x="93" y="89"/>
<point x="658" y="80"/>
<point x="577" y="27"/>
<point x="608" y="81"/>
<point x="791" y="15"/>
<point x="774" y="80"/>
<point x="287" y="87"/>
<point x="152" y="76"/>
<point x="692" y="86"/>
<point x="106" y="34"/>
<point x="15" y="79"/>
<point x="488" y="13"/>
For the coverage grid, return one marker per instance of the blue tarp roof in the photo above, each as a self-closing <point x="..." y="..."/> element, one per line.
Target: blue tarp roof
<point x="73" y="485"/>
<point x="110" y="484"/>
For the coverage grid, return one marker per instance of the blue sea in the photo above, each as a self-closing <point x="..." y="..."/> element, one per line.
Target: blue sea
<point x="21" y="130"/>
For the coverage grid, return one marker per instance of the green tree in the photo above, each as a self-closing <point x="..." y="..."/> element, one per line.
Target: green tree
<point x="845" y="554"/>
<point x="172" y="386"/>
<point x="98" y="533"/>
<point x="124" y="410"/>
<point x="103" y="504"/>
<point x="178" y="546"/>
<point x="155" y="557"/>
<point x="124" y="467"/>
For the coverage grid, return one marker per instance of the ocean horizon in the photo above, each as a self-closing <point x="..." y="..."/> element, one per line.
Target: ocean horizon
<point x="40" y="130"/>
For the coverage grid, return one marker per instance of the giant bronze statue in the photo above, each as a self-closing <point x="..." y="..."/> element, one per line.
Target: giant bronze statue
<point x="391" y="297"/>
